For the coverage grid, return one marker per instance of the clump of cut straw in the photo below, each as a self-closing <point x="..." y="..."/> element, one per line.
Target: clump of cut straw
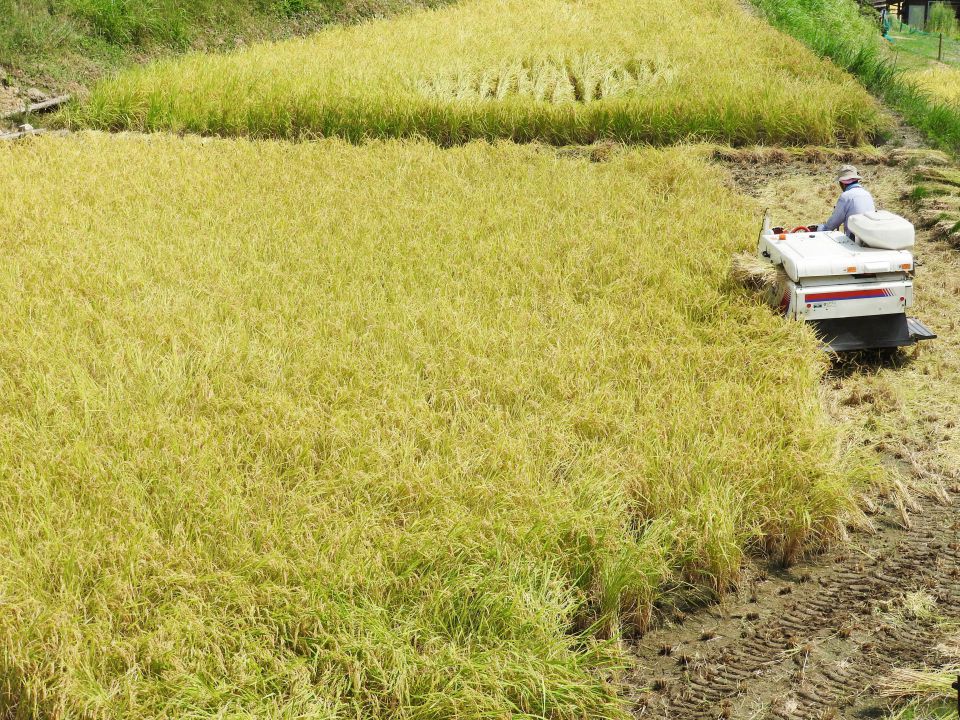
<point x="922" y="685"/>
<point x="925" y="687"/>
<point x="950" y="648"/>
<point x="755" y="273"/>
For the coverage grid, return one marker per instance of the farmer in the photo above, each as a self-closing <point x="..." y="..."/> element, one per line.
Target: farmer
<point x="854" y="199"/>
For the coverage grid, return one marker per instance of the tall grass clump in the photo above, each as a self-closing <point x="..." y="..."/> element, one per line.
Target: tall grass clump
<point x="549" y="70"/>
<point x="378" y="432"/>
<point x="942" y="18"/>
<point x="848" y="35"/>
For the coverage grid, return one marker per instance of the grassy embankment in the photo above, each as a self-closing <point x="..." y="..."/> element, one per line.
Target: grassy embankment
<point x="63" y="42"/>
<point x="916" y="53"/>
<point x="837" y="29"/>
<point x="545" y="70"/>
<point x="383" y="431"/>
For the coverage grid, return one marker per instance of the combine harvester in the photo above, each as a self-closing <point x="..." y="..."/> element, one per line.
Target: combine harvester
<point x="856" y="292"/>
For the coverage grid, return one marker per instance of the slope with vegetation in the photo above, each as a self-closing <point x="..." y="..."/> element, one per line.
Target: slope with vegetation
<point x="341" y="431"/>
<point x="849" y="35"/>
<point x="65" y="42"/>
<point x="547" y="70"/>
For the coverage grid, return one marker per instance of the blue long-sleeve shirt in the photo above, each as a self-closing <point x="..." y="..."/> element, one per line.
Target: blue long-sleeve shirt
<point x="853" y="200"/>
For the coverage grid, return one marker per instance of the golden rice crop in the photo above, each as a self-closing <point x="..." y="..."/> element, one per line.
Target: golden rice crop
<point x="378" y="431"/>
<point x="940" y="81"/>
<point x="551" y="70"/>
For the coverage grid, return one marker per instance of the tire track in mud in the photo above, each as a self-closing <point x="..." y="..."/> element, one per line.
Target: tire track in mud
<point x="812" y="641"/>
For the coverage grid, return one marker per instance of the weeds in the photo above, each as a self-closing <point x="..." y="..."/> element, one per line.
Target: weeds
<point x="336" y="431"/>
<point x="549" y="70"/>
<point x="943" y="19"/>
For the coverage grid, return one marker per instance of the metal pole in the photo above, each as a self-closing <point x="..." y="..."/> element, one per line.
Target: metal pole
<point x="940" y="51"/>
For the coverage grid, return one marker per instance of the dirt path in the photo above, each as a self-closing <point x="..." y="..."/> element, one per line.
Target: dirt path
<point x="811" y="641"/>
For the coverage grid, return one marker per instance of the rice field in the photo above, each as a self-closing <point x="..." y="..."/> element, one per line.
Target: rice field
<point x="940" y="81"/>
<point x="555" y="71"/>
<point x="362" y="432"/>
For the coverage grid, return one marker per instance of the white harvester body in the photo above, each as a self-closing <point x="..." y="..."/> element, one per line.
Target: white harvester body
<point x="856" y="291"/>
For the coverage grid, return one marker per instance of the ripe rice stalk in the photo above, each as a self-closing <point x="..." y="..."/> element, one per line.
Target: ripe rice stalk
<point x="543" y="80"/>
<point x="322" y="429"/>
<point x="940" y="81"/>
<point x="631" y="82"/>
<point x="487" y="84"/>
<point x="563" y="88"/>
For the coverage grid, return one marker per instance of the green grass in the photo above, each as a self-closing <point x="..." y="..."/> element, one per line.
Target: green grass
<point x="945" y="711"/>
<point x="378" y="432"/>
<point x="544" y="70"/>
<point x="76" y="41"/>
<point x="913" y="48"/>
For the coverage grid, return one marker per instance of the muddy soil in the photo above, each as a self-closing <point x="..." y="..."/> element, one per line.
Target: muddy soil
<point x="10" y="102"/>
<point x="812" y="641"/>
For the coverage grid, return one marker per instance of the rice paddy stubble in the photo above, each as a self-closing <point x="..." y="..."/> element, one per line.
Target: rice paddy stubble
<point x="336" y="431"/>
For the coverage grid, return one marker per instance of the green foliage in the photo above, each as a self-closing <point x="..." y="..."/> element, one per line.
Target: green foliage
<point x="942" y="18"/>
<point x="29" y="27"/>
<point x="136" y="22"/>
